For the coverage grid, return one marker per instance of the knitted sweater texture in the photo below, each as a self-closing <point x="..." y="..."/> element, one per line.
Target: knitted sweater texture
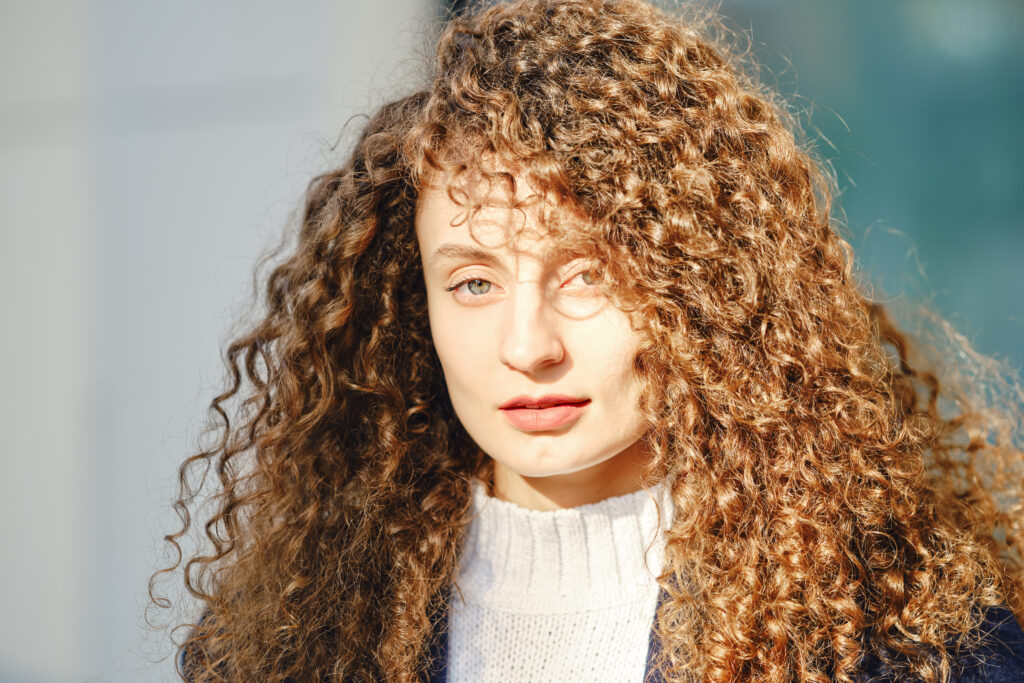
<point x="557" y="595"/>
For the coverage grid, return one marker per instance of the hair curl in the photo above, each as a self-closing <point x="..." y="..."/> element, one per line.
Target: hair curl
<point x="830" y="495"/>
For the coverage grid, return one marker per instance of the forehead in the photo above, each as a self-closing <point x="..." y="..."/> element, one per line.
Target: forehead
<point x="475" y="213"/>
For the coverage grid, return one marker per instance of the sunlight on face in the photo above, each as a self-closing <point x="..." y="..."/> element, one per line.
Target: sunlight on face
<point x="511" y="318"/>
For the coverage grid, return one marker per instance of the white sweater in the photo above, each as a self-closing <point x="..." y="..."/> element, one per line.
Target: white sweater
<point x="561" y="595"/>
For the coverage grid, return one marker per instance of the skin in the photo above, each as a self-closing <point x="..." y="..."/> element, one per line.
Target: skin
<point x="526" y="321"/>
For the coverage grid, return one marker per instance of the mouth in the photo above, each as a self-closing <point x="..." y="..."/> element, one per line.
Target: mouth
<point x="546" y="401"/>
<point x="546" y="416"/>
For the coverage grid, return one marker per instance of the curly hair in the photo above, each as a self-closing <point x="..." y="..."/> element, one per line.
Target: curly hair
<point x="833" y="499"/>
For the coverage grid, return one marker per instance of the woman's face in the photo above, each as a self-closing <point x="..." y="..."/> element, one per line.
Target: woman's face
<point x="512" y="320"/>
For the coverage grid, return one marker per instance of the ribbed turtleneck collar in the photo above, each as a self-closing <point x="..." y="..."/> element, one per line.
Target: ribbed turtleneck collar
<point x="586" y="557"/>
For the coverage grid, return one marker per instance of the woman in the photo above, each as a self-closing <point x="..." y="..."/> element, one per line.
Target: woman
<point x="569" y="378"/>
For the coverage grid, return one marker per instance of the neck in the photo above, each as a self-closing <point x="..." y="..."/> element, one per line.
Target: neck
<point x="616" y="476"/>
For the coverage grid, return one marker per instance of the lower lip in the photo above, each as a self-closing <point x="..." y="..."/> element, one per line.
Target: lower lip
<point x="541" y="419"/>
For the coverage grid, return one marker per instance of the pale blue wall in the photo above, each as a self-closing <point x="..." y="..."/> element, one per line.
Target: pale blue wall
<point x="149" y="152"/>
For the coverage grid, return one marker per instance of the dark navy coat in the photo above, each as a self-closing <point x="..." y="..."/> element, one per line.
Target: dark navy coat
<point x="1000" y="659"/>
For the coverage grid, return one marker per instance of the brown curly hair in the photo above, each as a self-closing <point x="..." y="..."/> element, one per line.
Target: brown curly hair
<point x="832" y="499"/>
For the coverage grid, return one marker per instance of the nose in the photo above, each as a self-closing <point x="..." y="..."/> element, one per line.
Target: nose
<point x="531" y="339"/>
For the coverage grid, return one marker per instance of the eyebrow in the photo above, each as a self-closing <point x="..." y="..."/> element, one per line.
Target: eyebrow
<point x="452" y="250"/>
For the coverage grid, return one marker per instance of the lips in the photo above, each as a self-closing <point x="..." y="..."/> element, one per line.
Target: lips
<point x="545" y="401"/>
<point x="544" y="413"/>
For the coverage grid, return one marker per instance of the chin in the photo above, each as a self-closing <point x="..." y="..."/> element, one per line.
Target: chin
<point x="545" y="467"/>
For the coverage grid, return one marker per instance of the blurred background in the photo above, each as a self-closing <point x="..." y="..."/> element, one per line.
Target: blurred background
<point x="150" y="152"/>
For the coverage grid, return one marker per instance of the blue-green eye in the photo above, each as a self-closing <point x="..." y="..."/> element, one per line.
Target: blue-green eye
<point x="476" y="286"/>
<point x="482" y="286"/>
<point x="589" y="277"/>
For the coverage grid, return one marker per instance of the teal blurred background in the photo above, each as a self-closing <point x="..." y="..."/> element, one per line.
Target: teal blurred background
<point x="919" y="105"/>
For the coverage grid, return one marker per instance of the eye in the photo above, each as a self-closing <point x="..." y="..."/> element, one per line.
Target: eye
<point x="589" y="277"/>
<point x="475" y="286"/>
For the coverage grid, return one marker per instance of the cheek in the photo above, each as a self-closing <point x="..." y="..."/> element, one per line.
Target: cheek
<point x="460" y="347"/>
<point x="614" y="358"/>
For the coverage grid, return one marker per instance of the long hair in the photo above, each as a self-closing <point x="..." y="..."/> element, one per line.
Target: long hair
<point x="833" y="499"/>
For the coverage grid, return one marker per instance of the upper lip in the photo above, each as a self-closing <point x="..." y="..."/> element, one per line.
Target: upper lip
<point x="541" y="402"/>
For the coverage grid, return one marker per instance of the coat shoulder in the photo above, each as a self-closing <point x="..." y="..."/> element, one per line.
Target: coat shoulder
<point x="999" y="658"/>
<point x="188" y="654"/>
